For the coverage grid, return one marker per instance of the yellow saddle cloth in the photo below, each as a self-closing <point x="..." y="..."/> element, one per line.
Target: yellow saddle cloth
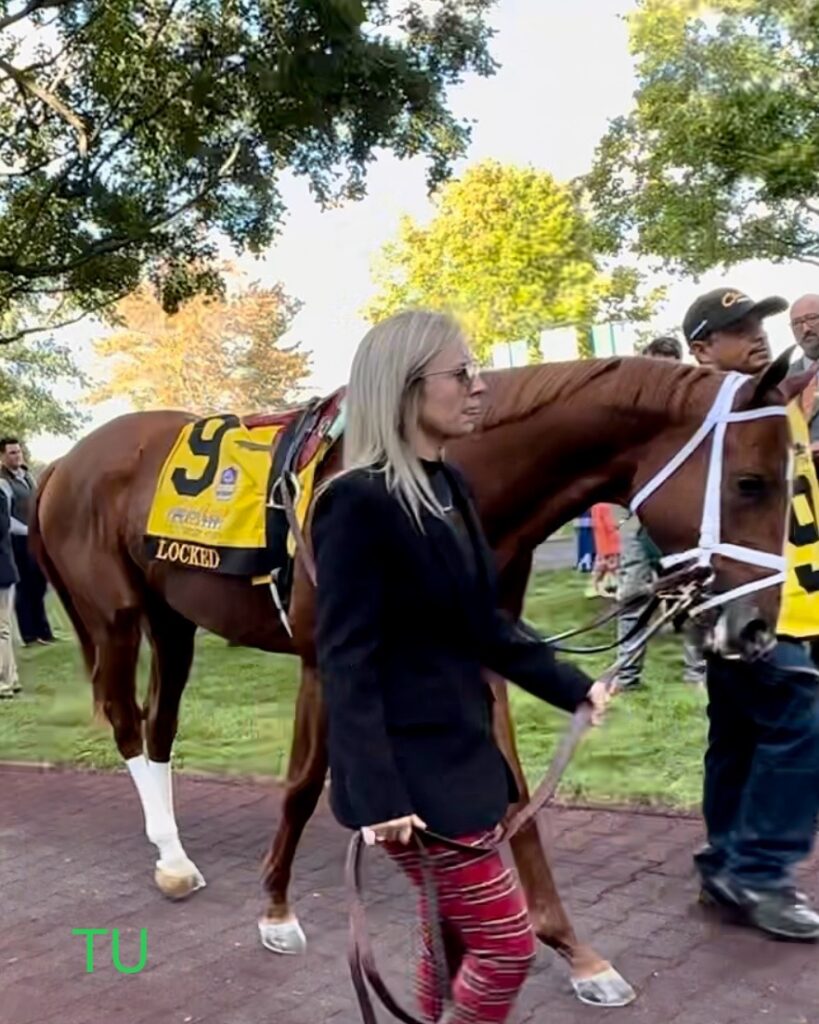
<point x="217" y="504"/>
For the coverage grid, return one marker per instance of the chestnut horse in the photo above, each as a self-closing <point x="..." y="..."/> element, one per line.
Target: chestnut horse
<point x="554" y="440"/>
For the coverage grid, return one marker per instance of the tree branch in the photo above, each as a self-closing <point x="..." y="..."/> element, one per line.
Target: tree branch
<point x="23" y="81"/>
<point x="106" y="246"/>
<point x="6" y="339"/>
<point x="30" y="8"/>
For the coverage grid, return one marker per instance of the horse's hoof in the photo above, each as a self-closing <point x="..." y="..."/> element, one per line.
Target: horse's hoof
<point x="179" y="882"/>
<point x="607" y="988"/>
<point x="284" y="937"/>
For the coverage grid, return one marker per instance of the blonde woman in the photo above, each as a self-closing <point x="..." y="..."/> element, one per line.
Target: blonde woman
<point x="406" y="620"/>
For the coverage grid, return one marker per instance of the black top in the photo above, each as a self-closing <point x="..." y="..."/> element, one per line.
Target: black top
<point x="405" y="622"/>
<point x="23" y="488"/>
<point x="8" y="567"/>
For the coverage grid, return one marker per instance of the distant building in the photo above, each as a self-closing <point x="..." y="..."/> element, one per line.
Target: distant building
<point x="560" y="343"/>
<point x="616" y="339"/>
<point x="511" y="353"/>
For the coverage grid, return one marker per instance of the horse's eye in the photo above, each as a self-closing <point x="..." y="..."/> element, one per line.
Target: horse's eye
<point x="751" y="485"/>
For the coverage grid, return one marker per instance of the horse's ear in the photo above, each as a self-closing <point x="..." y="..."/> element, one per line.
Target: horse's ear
<point x="772" y="376"/>
<point x="793" y="386"/>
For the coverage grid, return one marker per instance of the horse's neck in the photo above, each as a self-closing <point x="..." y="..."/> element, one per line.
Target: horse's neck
<point x="534" y="474"/>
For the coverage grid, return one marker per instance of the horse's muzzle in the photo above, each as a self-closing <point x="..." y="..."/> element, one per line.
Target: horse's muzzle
<point x="739" y="630"/>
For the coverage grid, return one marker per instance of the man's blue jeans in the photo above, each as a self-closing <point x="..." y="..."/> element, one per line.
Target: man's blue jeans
<point x="761" y="793"/>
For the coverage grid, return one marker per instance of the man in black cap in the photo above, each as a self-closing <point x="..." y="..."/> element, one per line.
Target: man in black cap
<point x="724" y="329"/>
<point x="761" y="791"/>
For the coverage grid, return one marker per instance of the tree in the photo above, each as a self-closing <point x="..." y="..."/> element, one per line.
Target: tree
<point x="29" y="375"/>
<point x="213" y="355"/>
<point x="508" y="251"/>
<point x="131" y="130"/>
<point x="718" y="161"/>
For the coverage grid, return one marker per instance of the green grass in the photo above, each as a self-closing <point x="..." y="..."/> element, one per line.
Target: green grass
<point x="238" y="707"/>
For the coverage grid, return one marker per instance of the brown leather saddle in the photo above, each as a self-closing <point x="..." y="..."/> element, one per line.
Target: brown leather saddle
<point x="306" y="428"/>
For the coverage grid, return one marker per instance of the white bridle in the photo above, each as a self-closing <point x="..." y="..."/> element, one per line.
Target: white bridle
<point x="717" y="420"/>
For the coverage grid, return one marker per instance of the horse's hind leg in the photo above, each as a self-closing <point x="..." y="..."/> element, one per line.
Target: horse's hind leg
<point x="593" y="979"/>
<point x="114" y="679"/>
<point x="172" y="638"/>
<point x="279" y="929"/>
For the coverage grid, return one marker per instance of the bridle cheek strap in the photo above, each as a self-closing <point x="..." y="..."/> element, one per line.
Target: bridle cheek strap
<point x="719" y="417"/>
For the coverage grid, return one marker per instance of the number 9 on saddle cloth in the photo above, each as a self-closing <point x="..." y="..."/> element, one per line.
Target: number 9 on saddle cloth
<point x="233" y="493"/>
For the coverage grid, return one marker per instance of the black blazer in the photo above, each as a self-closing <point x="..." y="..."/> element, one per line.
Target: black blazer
<point x="403" y="630"/>
<point x="8" y="567"/>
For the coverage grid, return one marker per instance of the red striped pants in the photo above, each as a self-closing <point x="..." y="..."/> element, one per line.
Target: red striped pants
<point x="489" y="941"/>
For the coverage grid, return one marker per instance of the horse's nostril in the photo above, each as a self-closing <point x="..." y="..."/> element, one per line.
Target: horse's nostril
<point x="755" y="640"/>
<point x="750" y="630"/>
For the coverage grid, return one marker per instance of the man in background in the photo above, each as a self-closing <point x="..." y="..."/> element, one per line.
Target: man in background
<point x="805" y="327"/>
<point x="29" y="602"/>
<point x="639" y="567"/>
<point x="9" y="683"/>
<point x="761" y="791"/>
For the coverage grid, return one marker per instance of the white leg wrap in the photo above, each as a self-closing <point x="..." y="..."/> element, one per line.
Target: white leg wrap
<point x="153" y="782"/>
<point x="160" y="772"/>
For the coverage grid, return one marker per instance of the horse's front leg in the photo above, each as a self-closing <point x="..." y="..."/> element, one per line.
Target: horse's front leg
<point x="594" y="979"/>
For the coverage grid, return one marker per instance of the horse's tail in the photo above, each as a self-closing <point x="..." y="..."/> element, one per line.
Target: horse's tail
<point x="38" y="548"/>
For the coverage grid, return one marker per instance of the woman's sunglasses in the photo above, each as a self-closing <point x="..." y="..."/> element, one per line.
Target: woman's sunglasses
<point x="465" y="375"/>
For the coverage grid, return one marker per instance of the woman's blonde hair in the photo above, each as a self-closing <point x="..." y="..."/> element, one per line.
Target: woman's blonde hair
<point x="383" y="401"/>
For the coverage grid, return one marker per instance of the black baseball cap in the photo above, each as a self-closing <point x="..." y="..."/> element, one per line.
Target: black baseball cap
<point x="723" y="307"/>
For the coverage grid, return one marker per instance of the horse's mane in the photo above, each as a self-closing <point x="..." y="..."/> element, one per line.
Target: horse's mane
<point x="648" y="385"/>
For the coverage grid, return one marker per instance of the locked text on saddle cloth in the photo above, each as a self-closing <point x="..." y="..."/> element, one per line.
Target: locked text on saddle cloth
<point x="210" y="508"/>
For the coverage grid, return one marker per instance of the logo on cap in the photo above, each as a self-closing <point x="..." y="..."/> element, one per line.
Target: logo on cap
<point x="732" y="298"/>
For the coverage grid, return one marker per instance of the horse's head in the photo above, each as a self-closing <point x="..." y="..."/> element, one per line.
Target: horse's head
<point x="731" y="477"/>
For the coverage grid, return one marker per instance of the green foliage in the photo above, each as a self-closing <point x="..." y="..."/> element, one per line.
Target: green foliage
<point x="718" y="161"/>
<point x="509" y="252"/>
<point x="29" y="373"/>
<point x="132" y="129"/>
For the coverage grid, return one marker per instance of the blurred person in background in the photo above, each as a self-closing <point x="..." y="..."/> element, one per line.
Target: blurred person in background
<point x="29" y="600"/>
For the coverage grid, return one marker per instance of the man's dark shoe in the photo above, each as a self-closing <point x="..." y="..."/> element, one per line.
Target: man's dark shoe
<point x="784" y="913"/>
<point x="717" y="891"/>
<point x="709" y="862"/>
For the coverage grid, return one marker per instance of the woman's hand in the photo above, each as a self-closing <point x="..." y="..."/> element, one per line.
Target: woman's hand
<point x="598" y="696"/>
<point x="399" y="829"/>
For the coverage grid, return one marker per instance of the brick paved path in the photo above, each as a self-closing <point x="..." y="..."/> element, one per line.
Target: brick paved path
<point x="72" y="855"/>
